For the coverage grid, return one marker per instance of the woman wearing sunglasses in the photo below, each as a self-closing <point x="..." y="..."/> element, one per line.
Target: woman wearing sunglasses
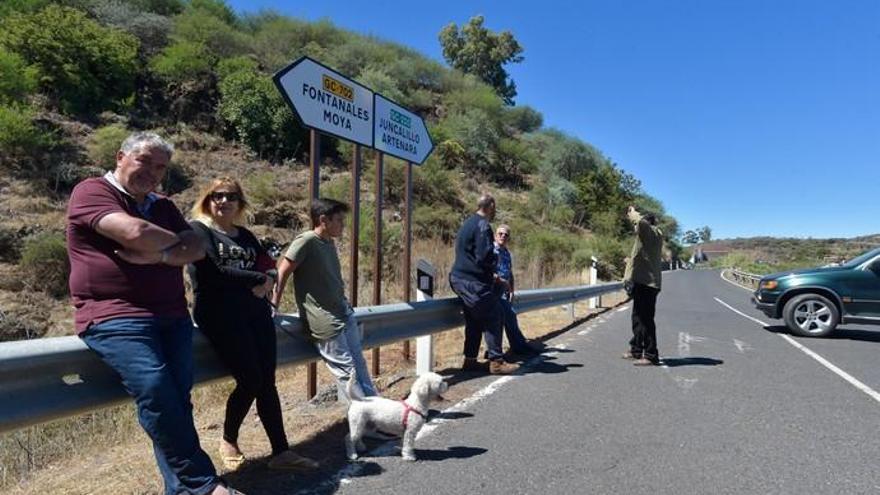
<point x="231" y="308"/>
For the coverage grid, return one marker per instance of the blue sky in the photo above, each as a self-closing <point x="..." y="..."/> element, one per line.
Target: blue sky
<point x="755" y="117"/>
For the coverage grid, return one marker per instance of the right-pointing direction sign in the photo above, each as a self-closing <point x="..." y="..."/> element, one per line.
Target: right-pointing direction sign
<point x="399" y="132"/>
<point x="327" y="101"/>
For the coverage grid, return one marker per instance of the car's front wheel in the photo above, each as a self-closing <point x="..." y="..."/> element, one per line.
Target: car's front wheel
<point x="811" y="315"/>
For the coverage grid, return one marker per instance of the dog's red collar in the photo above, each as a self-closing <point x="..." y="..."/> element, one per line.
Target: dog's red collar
<point x="408" y="409"/>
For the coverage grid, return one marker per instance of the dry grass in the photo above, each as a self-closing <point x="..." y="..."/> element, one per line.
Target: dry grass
<point x="107" y="453"/>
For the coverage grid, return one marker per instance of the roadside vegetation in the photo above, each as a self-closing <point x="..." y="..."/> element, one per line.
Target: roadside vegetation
<point x="764" y="255"/>
<point x="79" y="75"/>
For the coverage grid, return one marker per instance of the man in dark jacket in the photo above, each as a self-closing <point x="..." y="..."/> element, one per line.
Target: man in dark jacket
<point x="473" y="278"/>
<point x="643" y="278"/>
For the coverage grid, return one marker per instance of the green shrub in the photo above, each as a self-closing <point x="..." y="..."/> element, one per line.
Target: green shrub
<point x="202" y="26"/>
<point x="161" y="7"/>
<point x="477" y="133"/>
<point x="8" y="7"/>
<point x="434" y="184"/>
<point x="19" y="137"/>
<point x="17" y="79"/>
<point x="552" y="249"/>
<point x="338" y="188"/>
<point x="44" y="264"/>
<point x="104" y="143"/>
<point x="392" y="241"/>
<point x="523" y="118"/>
<point x="231" y="65"/>
<point x="253" y="109"/>
<point x="612" y="253"/>
<point x="262" y="189"/>
<point x="182" y="61"/>
<point x="436" y="222"/>
<point x="84" y="67"/>
<point x="379" y="81"/>
<point x="151" y="29"/>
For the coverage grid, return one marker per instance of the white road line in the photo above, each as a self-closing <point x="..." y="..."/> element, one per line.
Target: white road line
<point x="728" y="306"/>
<point x="734" y="283"/>
<point x="622" y="309"/>
<point x="809" y="352"/>
<point x="843" y="374"/>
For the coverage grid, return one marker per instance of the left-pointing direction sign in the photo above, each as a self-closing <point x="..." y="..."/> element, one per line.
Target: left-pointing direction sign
<point x="325" y="100"/>
<point x="400" y="132"/>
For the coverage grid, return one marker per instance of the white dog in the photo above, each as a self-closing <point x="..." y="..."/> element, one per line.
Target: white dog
<point x="401" y="417"/>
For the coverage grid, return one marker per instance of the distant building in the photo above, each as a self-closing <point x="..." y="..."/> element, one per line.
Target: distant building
<point x="708" y="251"/>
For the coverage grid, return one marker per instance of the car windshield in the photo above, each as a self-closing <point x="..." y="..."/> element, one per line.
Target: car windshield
<point x="858" y="260"/>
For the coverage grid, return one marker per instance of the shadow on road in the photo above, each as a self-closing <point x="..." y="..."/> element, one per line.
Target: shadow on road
<point x="838" y="334"/>
<point x="450" y="453"/>
<point x="433" y="413"/>
<point x="691" y="361"/>
<point x="862" y="335"/>
<point x="547" y="366"/>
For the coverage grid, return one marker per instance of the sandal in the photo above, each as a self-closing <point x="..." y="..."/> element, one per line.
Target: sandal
<point x="232" y="461"/>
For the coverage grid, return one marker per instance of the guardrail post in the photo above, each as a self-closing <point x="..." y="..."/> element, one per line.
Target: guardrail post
<point x="594" y="279"/>
<point x="425" y="344"/>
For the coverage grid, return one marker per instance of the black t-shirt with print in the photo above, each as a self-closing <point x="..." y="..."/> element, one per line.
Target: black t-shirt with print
<point x="229" y="265"/>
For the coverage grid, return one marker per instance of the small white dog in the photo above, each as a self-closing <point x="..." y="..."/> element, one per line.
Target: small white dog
<point x="401" y="417"/>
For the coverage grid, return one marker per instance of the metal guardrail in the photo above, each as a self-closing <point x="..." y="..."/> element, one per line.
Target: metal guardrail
<point x="744" y="278"/>
<point x="52" y="378"/>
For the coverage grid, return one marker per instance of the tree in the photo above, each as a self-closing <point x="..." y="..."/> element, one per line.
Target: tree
<point x="705" y="233"/>
<point x="690" y="237"/>
<point x="476" y="50"/>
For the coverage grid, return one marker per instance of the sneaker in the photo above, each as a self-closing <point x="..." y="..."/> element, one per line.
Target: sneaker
<point x="290" y="460"/>
<point x="499" y="367"/>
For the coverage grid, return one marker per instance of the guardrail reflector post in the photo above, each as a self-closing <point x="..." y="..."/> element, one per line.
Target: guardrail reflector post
<point x="594" y="279"/>
<point x="425" y="292"/>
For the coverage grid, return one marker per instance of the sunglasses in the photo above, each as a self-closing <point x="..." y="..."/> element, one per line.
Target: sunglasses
<point x="504" y="234"/>
<point x="229" y="196"/>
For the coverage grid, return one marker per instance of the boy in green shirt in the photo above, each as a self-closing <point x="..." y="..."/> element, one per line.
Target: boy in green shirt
<point x="320" y="295"/>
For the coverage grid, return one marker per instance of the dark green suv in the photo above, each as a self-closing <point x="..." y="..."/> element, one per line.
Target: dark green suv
<point x="814" y="301"/>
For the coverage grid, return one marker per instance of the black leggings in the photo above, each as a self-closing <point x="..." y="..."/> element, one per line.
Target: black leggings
<point x="244" y="337"/>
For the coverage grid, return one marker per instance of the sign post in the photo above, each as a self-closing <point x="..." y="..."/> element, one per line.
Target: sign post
<point x="328" y="102"/>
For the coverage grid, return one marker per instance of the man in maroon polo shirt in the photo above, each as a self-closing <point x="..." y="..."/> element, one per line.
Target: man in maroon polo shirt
<point x="127" y="245"/>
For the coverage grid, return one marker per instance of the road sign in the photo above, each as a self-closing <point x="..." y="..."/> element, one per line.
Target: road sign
<point x="399" y="132"/>
<point x="327" y="101"/>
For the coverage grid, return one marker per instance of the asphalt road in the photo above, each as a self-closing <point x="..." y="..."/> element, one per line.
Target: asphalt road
<point x="735" y="409"/>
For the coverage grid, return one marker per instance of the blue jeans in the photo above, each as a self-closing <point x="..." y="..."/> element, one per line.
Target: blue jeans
<point x="515" y="338"/>
<point x="153" y="356"/>
<point x="344" y="355"/>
